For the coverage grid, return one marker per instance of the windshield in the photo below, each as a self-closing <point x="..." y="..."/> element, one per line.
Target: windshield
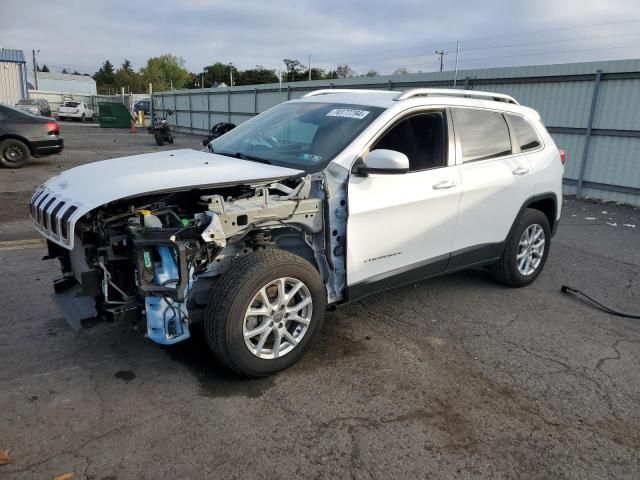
<point x="305" y="136"/>
<point x="71" y="104"/>
<point x="27" y="102"/>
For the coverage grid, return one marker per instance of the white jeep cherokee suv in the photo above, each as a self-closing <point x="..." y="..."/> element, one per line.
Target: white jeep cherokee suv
<point x="317" y="201"/>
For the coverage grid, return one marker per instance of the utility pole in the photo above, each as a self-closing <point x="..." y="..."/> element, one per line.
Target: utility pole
<point x="442" y="53"/>
<point x="231" y="73"/>
<point x="35" y="68"/>
<point x="309" y="67"/>
<point x="455" y="75"/>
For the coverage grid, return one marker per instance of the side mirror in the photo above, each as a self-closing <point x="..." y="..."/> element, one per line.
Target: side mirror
<point x="384" y="161"/>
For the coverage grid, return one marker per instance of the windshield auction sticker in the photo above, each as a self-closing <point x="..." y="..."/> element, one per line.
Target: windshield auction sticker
<point x="348" y="113"/>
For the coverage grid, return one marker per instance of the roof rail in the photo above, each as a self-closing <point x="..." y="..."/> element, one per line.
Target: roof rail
<point x="449" y="92"/>
<point x="327" y="91"/>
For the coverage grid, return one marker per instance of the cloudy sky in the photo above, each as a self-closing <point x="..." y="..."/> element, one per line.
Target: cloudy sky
<point x="366" y="34"/>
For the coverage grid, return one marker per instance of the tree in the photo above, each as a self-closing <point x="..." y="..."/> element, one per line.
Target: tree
<point x="294" y="69"/>
<point x="400" y="71"/>
<point x="126" y="67"/>
<point x="217" y="73"/>
<point x="165" y="71"/>
<point x="344" y="71"/>
<point x="130" y="81"/>
<point x="76" y="72"/>
<point x="371" y="73"/>
<point x="44" y="68"/>
<point x="316" y="74"/>
<point x="64" y="70"/>
<point x="255" y="76"/>
<point x="104" y="77"/>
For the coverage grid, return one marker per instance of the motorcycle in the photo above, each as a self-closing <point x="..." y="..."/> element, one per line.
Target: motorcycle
<point x="161" y="130"/>
<point x="217" y="130"/>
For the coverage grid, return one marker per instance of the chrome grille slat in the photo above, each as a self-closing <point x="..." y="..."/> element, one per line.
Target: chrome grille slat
<point x="55" y="219"/>
<point x="51" y="214"/>
<point x="46" y="212"/>
<point x="39" y="204"/>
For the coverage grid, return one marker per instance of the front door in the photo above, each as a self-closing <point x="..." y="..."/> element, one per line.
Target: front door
<point x="401" y="226"/>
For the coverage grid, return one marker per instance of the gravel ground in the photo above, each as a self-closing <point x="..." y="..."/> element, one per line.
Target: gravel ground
<point x="456" y="377"/>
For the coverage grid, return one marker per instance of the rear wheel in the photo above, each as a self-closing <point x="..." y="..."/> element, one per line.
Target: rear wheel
<point x="159" y="138"/>
<point x="264" y="313"/>
<point x="526" y="250"/>
<point x="14" y="153"/>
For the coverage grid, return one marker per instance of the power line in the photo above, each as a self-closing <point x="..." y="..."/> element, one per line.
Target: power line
<point x="546" y="42"/>
<point x="591" y="37"/>
<point x="548" y="52"/>
<point x="423" y="47"/>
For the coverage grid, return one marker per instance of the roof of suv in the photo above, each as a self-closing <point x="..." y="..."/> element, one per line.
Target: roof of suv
<point x="422" y="96"/>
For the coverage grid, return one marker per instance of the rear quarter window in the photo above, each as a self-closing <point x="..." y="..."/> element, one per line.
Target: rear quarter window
<point x="483" y="134"/>
<point x="525" y="134"/>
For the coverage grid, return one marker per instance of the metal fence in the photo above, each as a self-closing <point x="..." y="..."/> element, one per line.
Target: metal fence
<point x="56" y="99"/>
<point x="591" y="109"/>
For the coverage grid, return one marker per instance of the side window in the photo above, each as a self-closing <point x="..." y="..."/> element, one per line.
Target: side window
<point x="525" y="134"/>
<point x="422" y="138"/>
<point x="483" y="134"/>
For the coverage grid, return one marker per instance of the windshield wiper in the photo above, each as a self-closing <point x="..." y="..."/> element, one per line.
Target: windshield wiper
<point x="244" y="156"/>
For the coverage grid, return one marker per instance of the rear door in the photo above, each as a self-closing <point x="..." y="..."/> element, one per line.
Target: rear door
<point x="496" y="178"/>
<point x="401" y="226"/>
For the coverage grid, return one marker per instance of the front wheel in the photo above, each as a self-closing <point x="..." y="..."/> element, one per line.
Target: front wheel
<point x="14" y="153"/>
<point x="526" y="250"/>
<point x="159" y="138"/>
<point x="83" y="118"/>
<point x="264" y="313"/>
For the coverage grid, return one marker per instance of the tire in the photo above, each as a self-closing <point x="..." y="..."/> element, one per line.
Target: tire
<point x="159" y="138"/>
<point x="14" y="153"/>
<point x="226" y="316"/>
<point x="62" y="119"/>
<point x="83" y="118"/>
<point x="514" y="271"/>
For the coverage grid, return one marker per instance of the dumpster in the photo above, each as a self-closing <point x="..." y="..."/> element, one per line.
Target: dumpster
<point x="114" y="115"/>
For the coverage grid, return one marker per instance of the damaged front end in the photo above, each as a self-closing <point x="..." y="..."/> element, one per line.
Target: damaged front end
<point x="152" y="260"/>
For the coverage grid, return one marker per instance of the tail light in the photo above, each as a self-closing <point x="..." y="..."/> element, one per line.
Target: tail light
<point x="53" y="128"/>
<point x="563" y="156"/>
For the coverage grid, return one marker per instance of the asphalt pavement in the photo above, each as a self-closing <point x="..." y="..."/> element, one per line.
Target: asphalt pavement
<point x="456" y="377"/>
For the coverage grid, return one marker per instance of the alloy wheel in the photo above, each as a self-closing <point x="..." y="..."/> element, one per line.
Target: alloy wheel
<point x="277" y="318"/>
<point x="530" y="249"/>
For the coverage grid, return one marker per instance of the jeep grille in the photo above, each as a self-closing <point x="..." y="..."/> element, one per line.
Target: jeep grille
<point x="50" y="214"/>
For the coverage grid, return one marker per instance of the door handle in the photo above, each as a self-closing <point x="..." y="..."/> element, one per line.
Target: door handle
<point x="444" y="184"/>
<point x="521" y="171"/>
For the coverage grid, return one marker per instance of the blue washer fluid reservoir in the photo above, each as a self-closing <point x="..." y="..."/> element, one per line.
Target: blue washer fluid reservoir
<point x="166" y="319"/>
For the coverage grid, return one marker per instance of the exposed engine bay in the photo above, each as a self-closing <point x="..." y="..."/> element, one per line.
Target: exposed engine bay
<point x="153" y="259"/>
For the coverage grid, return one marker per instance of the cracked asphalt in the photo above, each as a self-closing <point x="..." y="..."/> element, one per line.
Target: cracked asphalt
<point x="456" y="377"/>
